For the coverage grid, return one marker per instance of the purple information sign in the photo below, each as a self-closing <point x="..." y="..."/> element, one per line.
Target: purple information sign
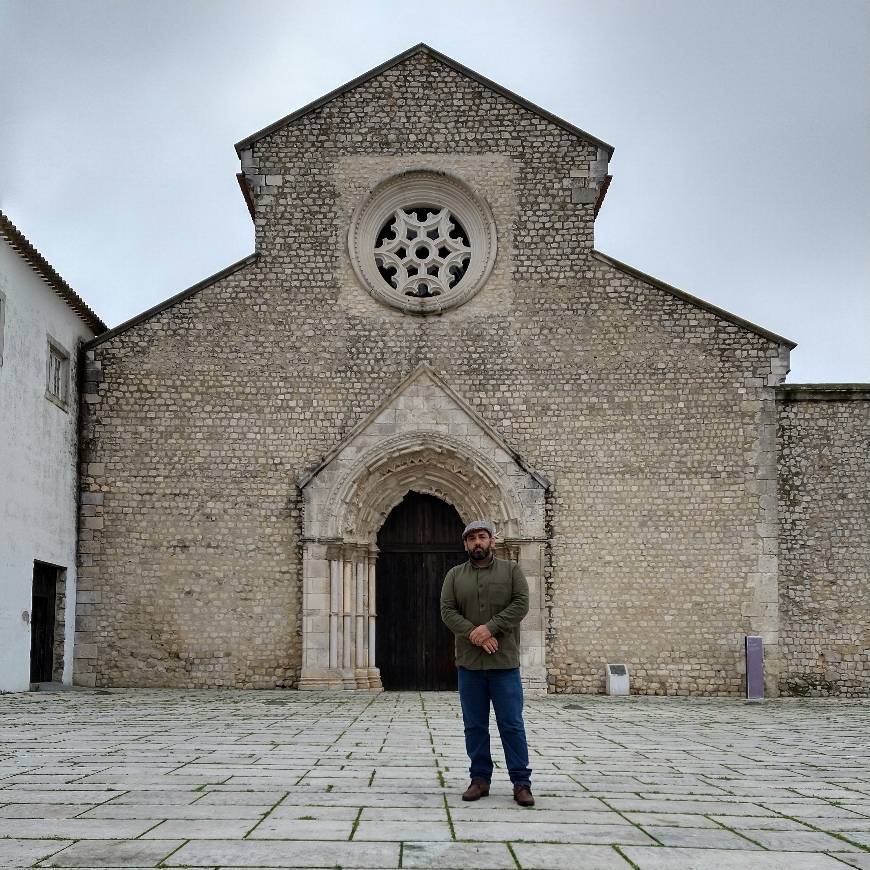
<point x="754" y="667"/>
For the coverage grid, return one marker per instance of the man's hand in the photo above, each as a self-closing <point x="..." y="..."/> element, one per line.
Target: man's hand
<point x="490" y="645"/>
<point x="479" y="635"/>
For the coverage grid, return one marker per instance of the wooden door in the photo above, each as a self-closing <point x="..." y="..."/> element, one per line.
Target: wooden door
<point x="42" y="622"/>
<point x="419" y="542"/>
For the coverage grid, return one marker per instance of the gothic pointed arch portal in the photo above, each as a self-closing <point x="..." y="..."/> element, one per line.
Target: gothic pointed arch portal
<point x="423" y="438"/>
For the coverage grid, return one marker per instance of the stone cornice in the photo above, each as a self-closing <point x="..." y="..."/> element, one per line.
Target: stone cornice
<point x="823" y="393"/>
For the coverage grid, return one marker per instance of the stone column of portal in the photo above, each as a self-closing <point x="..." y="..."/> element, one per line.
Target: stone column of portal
<point x="347" y="610"/>
<point x="363" y="627"/>
<point x="374" y="673"/>
<point x="360" y="671"/>
<point x="335" y="634"/>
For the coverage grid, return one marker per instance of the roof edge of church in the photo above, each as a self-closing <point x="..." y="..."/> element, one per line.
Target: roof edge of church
<point x="172" y="300"/>
<point x="694" y="300"/>
<point x="25" y="248"/>
<point x="422" y="48"/>
<point x="823" y="392"/>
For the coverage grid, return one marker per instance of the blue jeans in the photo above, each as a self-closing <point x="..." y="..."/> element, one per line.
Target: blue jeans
<point x="503" y="688"/>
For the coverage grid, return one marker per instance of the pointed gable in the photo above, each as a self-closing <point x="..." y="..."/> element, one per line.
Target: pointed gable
<point x="417" y="50"/>
<point x="422" y="437"/>
<point x="399" y="412"/>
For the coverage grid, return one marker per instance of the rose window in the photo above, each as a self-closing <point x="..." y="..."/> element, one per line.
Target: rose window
<point x="422" y="242"/>
<point x="422" y="251"/>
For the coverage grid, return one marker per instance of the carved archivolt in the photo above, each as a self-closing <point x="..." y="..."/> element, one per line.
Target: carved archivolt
<point x="426" y="462"/>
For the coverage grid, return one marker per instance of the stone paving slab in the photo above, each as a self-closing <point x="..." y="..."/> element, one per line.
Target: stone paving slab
<point x="44" y="811"/>
<point x="22" y="795"/>
<point x="296" y="853"/>
<point x="113" y="853"/>
<point x="77" y="829"/>
<point x="199" y="829"/>
<point x="645" y="858"/>
<point x="350" y="814"/>
<point x="403" y="831"/>
<point x="658" y="804"/>
<point x="475" y="813"/>
<point x="854" y="859"/>
<point x="157" y="796"/>
<point x="479" y="856"/>
<point x="674" y="820"/>
<point x="147" y="778"/>
<point x="545" y="833"/>
<point x="500" y="796"/>
<point x="555" y="856"/>
<point x="398" y="814"/>
<point x="304" y="829"/>
<point x="114" y="810"/>
<point x="247" y="797"/>
<point x="802" y="841"/>
<point x="751" y="823"/>
<point x="24" y="852"/>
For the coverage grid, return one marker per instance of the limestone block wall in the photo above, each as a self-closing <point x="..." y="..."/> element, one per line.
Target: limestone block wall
<point x="824" y="494"/>
<point x="652" y="417"/>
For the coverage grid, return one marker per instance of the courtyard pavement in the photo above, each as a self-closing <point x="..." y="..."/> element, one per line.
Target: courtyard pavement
<point x="138" y="778"/>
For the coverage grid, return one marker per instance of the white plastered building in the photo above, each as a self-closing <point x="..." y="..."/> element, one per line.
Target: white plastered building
<point x="43" y="323"/>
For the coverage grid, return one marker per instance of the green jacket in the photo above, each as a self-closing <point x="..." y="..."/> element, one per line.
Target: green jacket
<point x="496" y="596"/>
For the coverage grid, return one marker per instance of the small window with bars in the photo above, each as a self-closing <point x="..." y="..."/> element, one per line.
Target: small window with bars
<point x="57" y="388"/>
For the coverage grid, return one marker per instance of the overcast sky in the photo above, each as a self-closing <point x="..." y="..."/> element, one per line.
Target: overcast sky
<point x="741" y="129"/>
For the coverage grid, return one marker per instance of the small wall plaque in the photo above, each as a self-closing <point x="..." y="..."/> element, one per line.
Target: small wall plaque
<point x="616" y="679"/>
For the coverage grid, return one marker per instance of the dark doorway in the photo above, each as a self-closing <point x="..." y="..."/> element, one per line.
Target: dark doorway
<point x="419" y="542"/>
<point x="42" y="613"/>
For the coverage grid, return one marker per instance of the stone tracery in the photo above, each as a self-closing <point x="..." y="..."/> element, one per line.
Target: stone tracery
<point x="422" y="242"/>
<point x="422" y="251"/>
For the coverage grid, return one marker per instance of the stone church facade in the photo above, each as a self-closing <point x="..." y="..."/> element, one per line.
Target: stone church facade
<point x="426" y="313"/>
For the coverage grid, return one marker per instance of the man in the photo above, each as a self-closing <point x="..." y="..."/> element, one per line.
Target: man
<point x="483" y="602"/>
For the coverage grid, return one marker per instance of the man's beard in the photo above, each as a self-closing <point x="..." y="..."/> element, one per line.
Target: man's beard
<point x="480" y="553"/>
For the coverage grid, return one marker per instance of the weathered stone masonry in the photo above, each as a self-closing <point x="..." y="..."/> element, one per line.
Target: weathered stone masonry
<point x="824" y="498"/>
<point x="650" y="416"/>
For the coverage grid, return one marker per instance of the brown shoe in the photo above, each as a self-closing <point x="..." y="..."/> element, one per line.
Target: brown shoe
<point x="479" y="788"/>
<point x="523" y="796"/>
